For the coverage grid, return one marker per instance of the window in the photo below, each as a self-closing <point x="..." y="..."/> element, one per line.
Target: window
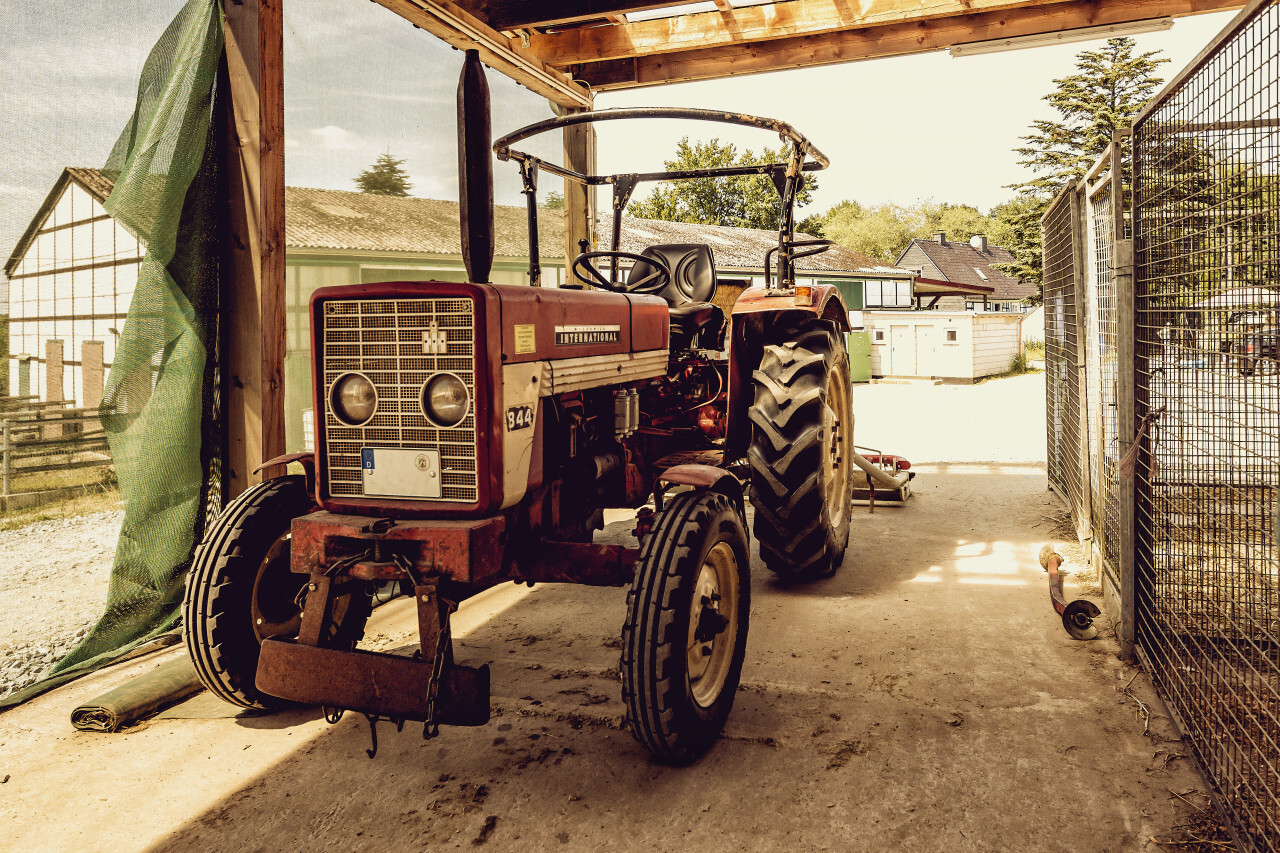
<point x="981" y="274"/>
<point x="953" y="336"/>
<point x="878" y="337"/>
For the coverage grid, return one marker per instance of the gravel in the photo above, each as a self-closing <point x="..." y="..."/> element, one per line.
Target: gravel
<point x="53" y="588"/>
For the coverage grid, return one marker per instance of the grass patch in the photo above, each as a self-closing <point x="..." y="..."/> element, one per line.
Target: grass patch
<point x="1021" y="364"/>
<point x="106" y="500"/>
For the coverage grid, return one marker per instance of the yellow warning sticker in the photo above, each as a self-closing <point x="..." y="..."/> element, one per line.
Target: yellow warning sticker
<point x="525" y="339"/>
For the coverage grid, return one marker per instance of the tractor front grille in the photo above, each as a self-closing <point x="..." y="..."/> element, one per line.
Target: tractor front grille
<point x="384" y="340"/>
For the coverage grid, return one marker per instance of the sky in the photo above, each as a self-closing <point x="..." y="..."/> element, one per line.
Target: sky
<point x="360" y="82"/>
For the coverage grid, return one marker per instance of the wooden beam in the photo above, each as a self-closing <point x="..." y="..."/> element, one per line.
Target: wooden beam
<point x="579" y="200"/>
<point x="516" y="14"/>
<point x="730" y="26"/>
<point x="453" y="24"/>
<point x="253" y="290"/>
<point x="896" y="39"/>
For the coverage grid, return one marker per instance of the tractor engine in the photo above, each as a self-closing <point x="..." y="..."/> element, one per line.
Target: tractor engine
<point x="446" y="400"/>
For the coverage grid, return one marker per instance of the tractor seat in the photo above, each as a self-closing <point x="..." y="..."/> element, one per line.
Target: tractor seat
<point x="689" y="292"/>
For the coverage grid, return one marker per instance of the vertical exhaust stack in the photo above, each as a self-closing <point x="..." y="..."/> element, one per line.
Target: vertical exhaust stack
<point x="475" y="169"/>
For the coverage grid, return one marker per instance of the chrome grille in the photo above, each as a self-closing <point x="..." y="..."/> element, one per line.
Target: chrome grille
<point x="383" y="339"/>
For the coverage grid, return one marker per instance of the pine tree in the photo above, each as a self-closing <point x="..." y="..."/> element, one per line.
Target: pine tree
<point x="385" y="177"/>
<point x="1110" y="88"/>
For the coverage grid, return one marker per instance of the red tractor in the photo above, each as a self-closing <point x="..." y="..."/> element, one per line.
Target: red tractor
<point x="471" y="434"/>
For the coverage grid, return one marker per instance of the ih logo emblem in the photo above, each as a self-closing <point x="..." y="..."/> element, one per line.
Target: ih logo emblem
<point x="435" y="341"/>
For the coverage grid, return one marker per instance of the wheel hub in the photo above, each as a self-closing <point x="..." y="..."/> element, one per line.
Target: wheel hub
<point x="835" y="430"/>
<point x="712" y="625"/>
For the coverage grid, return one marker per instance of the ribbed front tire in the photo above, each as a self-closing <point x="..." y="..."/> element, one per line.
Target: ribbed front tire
<point x="685" y="635"/>
<point x="240" y="591"/>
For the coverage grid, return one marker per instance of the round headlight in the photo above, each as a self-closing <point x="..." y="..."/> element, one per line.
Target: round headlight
<point x="445" y="400"/>
<point x="353" y="399"/>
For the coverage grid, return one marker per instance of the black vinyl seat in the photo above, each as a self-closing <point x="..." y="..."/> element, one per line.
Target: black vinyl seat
<point x="689" y="292"/>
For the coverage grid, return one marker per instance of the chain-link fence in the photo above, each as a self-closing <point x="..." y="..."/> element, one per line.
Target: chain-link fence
<point x="1188" y="370"/>
<point x="1206" y="215"/>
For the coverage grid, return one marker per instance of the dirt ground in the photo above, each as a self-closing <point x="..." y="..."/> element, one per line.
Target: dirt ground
<point x="924" y="698"/>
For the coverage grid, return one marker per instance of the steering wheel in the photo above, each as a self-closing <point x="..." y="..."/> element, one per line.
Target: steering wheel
<point x="652" y="283"/>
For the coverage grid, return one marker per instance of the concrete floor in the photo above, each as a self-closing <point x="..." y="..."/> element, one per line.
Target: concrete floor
<point x="925" y="698"/>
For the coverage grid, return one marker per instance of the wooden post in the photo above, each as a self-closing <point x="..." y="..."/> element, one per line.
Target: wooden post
<point x="579" y="200"/>
<point x="7" y="461"/>
<point x="252" y="305"/>
<point x="1126" y="375"/>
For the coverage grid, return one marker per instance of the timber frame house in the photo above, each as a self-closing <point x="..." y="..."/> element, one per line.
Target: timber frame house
<point x="565" y="50"/>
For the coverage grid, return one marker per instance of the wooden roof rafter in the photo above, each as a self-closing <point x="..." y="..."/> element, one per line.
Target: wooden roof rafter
<point x="595" y="45"/>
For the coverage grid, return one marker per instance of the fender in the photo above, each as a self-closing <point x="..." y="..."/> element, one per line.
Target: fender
<point x="701" y="477"/>
<point x="756" y="311"/>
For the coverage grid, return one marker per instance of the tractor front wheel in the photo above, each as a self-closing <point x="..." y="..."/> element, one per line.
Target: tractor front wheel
<point x="686" y="630"/>
<point x="801" y="451"/>
<point x="240" y="591"/>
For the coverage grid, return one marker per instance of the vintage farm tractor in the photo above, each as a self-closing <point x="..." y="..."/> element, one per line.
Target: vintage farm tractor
<point x="470" y="434"/>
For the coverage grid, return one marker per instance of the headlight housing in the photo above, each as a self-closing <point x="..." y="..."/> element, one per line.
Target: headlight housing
<point x="353" y="399"/>
<point x="445" y="400"/>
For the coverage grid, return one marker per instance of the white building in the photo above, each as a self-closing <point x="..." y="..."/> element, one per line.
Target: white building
<point x="70" y="279"/>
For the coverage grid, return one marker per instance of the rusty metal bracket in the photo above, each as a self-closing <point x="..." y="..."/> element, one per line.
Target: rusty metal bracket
<point x="1078" y="616"/>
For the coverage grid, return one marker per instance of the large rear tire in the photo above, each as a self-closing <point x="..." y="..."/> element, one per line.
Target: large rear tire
<point x="685" y="635"/>
<point x="240" y="591"/>
<point x="801" y="451"/>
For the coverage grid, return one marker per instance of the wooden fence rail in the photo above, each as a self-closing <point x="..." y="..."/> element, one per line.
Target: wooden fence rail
<point x="39" y="438"/>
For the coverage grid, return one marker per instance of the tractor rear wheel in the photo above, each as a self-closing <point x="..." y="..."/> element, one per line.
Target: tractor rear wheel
<point x="240" y="591"/>
<point x="685" y="635"/>
<point x="801" y="451"/>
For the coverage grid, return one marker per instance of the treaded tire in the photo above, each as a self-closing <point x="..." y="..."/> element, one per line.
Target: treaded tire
<point x="801" y="478"/>
<point x="241" y="569"/>
<point x="678" y="697"/>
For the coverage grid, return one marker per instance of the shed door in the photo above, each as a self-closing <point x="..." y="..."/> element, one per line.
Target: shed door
<point x="927" y="360"/>
<point x="902" y="347"/>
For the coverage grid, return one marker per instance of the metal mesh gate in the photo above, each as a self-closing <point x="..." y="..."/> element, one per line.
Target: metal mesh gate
<point x="1062" y="353"/>
<point x="1207" y="216"/>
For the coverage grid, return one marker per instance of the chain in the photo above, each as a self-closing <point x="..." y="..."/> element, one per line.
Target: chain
<point x="430" y="728"/>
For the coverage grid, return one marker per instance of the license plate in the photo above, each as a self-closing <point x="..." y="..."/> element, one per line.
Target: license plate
<point x="399" y="472"/>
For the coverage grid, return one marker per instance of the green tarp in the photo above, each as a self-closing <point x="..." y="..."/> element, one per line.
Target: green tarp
<point x="158" y="406"/>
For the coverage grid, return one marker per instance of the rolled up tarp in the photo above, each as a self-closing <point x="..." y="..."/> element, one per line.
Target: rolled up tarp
<point x="165" y="685"/>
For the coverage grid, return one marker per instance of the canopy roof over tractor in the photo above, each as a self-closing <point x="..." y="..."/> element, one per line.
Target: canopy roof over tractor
<point x="566" y="49"/>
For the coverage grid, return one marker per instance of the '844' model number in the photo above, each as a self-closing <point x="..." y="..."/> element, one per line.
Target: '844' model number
<point x="519" y="417"/>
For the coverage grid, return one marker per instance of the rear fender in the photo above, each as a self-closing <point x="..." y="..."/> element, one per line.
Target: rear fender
<point x="756" y="313"/>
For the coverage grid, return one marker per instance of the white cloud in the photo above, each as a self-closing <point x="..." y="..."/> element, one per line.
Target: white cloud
<point x="335" y="138"/>
<point x="290" y="142"/>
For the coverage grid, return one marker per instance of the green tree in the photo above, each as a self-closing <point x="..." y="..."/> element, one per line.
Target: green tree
<point x="959" y="221"/>
<point x="385" y="177"/>
<point x="881" y="231"/>
<point x="1110" y="87"/>
<point x="749" y="201"/>
<point x="553" y="201"/>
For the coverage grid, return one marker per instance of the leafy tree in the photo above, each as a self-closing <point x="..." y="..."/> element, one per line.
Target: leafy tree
<point x="553" y="201"/>
<point x="879" y="231"/>
<point x="385" y="177"/>
<point x="749" y="201"/>
<point x="959" y="221"/>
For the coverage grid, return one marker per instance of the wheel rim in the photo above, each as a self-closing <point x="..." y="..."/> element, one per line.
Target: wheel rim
<point x="274" y="606"/>
<point x="713" y="625"/>
<point x="837" y="448"/>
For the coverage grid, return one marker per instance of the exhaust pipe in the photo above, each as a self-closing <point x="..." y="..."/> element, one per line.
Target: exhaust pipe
<point x="475" y="169"/>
